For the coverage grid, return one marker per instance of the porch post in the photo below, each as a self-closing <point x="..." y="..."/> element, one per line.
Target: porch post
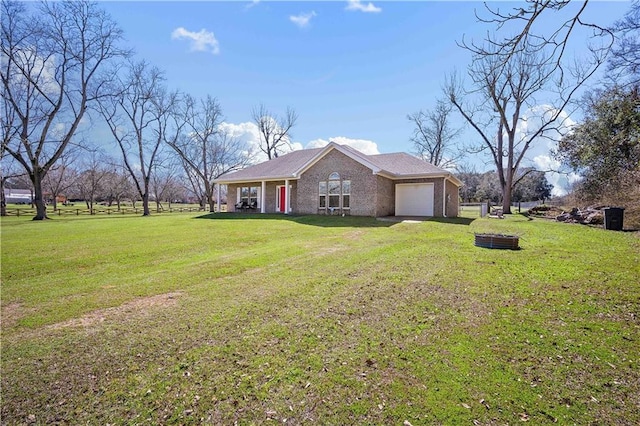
<point x="219" y="205"/>
<point x="263" y="197"/>
<point x="287" y="196"/>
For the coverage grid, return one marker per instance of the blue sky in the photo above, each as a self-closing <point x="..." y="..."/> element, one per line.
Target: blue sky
<point x="351" y="70"/>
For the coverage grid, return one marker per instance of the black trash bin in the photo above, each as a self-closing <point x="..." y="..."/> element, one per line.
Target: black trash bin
<point x="613" y="218"/>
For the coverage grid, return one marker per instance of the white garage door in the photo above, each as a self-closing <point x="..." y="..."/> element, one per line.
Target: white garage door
<point x="414" y="199"/>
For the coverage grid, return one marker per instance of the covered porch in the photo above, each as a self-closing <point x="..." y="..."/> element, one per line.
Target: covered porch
<point x="265" y="196"/>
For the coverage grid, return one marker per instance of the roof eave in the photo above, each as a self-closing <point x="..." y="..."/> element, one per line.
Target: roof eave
<point x="396" y="176"/>
<point x="255" y="179"/>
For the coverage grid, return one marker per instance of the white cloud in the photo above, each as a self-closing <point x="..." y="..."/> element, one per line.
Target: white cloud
<point x="358" y="6"/>
<point x="561" y="181"/>
<point x="58" y="130"/>
<point x="295" y="146"/>
<point x="538" y="115"/>
<point x="540" y="152"/>
<point x="252" y="4"/>
<point x="40" y="70"/>
<point x="249" y="135"/>
<point x="365" y="146"/>
<point x="302" y="20"/>
<point x="202" y="41"/>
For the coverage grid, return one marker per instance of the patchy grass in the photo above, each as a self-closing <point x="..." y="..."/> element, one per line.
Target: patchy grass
<point x="247" y="318"/>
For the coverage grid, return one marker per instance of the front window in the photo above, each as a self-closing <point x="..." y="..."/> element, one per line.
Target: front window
<point x="249" y="196"/>
<point x="323" y="194"/>
<point x="334" y="194"/>
<point x="346" y="193"/>
<point x="253" y="196"/>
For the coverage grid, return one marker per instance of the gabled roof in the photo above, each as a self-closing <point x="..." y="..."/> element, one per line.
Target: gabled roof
<point x="291" y="166"/>
<point x="283" y="167"/>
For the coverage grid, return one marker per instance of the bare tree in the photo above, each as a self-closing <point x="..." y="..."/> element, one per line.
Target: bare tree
<point x="8" y="172"/>
<point x="509" y="75"/>
<point x="118" y="185"/>
<point x="140" y="119"/>
<point x="191" y="180"/>
<point x="433" y="135"/>
<point x="89" y="184"/>
<point x="60" y="178"/>
<point x="9" y="128"/>
<point x="206" y="151"/>
<point x="275" y="132"/>
<point x="53" y="58"/>
<point x="165" y="182"/>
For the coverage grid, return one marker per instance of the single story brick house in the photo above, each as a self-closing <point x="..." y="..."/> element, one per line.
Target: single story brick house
<point x="338" y="179"/>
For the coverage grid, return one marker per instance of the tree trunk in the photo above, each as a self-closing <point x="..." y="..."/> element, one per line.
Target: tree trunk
<point x="3" y="200"/>
<point x="506" y="194"/>
<point x="145" y="204"/>
<point x="212" y="202"/>
<point x="208" y="196"/>
<point x="38" y="199"/>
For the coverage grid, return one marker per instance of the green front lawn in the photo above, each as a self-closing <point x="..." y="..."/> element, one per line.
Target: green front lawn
<point x="330" y="320"/>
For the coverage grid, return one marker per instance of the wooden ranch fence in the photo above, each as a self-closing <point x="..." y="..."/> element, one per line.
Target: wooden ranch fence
<point x="27" y="211"/>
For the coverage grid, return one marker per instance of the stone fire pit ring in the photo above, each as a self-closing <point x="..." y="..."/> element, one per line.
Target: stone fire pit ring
<point x="497" y="241"/>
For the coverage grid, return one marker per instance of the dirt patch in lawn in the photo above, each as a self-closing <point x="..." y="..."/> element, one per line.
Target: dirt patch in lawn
<point x="354" y="235"/>
<point x="11" y="314"/>
<point x="134" y="308"/>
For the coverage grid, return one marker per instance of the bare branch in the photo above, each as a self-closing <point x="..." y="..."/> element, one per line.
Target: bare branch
<point x="275" y="131"/>
<point x="206" y="151"/>
<point x="433" y="135"/>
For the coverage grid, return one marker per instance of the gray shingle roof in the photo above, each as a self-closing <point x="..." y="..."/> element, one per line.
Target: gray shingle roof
<point x="401" y="163"/>
<point x="397" y="164"/>
<point x="282" y="167"/>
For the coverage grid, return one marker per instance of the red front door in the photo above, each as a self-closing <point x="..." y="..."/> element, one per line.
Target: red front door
<point x="282" y="198"/>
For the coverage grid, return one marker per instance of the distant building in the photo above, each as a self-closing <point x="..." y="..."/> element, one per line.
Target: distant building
<point x="18" y="196"/>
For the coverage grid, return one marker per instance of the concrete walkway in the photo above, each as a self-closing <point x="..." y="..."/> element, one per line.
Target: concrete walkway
<point x="404" y="219"/>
